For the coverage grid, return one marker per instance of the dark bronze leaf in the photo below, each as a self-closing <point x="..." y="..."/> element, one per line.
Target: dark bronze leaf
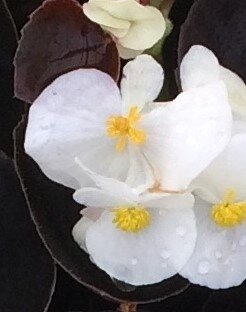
<point x="10" y="109"/>
<point x="27" y="271"/>
<point x="220" y="26"/>
<point x="57" y="39"/>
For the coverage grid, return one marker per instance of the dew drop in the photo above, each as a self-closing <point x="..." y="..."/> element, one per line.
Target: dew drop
<point x="181" y="231"/>
<point x="165" y="254"/>
<point x="242" y="241"/>
<point x="162" y="212"/>
<point x="218" y="254"/>
<point x="203" y="267"/>
<point x="234" y="246"/>
<point x="224" y="233"/>
<point x="134" y="261"/>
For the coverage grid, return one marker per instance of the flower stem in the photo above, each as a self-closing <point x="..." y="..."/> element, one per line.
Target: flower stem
<point x="127" y="307"/>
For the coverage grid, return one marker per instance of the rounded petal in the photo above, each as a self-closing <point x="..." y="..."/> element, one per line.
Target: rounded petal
<point x="218" y="260"/>
<point x="236" y="90"/>
<point x="68" y="120"/>
<point x="198" y="67"/>
<point x="129" y="10"/>
<point x="102" y="17"/>
<point x="141" y="83"/>
<point x="147" y="257"/>
<point x="92" y="197"/>
<point x="226" y="172"/>
<point x="184" y="136"/>
<point x="79" y="231"/>
<point x="145" y="33"/>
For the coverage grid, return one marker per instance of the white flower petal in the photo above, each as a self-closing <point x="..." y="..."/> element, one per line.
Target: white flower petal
<point x="169" y="202"/>
<point x="129" y="10"/>
<point x="92" y="197"/>
<point x="116" y="32"/>
<point x="140" y="175"/>
<point x="236" y="90"/>
<point x="127" y="54"/>
<point x="68" y="120"/>
<point x="145" y="33"/>
<point x="79" y="231"/>
<point x="102" y="17"/>
<point x="141" y="83"/>
<point x="184" y="136"/>
<point x="226" y="172"/>
<point x="147" y="257"/>
<point x="219" y="257"/>
<point x="112" y="187"/>
<point x="198" y="67"/>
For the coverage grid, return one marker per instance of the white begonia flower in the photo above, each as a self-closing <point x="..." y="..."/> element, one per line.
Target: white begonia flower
<point x="82" y="114"/>
<point x="219" y="257"/>
<point x="148" y="238"/>
<point x="135" y="27"/>
<point x="200" y="66"/>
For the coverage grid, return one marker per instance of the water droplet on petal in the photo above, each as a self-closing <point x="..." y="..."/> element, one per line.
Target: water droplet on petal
<point x="234" y="246"/>
<point x="165" y="254"/>
<point x="218" y="254"/>
<point x="134" y="261"/>
<point x="162" y="212"/>
<point x="181" y="231"/>
<point x="224" y="233"/>
<point x="204" y="267"/>
<point x="242" y="241"/>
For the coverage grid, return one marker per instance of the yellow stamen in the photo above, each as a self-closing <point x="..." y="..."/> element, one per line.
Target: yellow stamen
<point x="228" y="213"/>
<point x="131" y="219"/>
<point x="124" y="128"/>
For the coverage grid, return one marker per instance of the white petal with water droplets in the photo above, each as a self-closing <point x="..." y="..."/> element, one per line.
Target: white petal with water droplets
<point x="150" y="245"/>
<point x="219" y="257"/>
<point x="68" y="120"/>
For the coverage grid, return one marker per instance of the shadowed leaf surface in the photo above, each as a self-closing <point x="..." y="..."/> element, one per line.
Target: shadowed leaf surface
<point x="219" y="25"/>
<point x="228" y="300"/>
<point x="27" y="272"/>
<point x="177" y="15"/>
<point x="57" y="39"/>
<point x="55" y="214"/>
<point x="10" y="109"/>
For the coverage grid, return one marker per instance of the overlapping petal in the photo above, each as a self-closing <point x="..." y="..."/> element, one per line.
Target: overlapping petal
<point x="200" y="66"/>
<point x="226" y="172"/>
<point x="185" y="135"/>
<point x="166" y="243"/>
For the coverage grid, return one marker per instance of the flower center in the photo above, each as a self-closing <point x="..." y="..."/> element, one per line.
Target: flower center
<point x="131" y="219"/>
<point x="228" y="213"/>
<point x="124" y="128"/>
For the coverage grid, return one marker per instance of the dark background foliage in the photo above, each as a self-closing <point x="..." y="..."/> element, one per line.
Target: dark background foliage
<point x="27" y="272"/>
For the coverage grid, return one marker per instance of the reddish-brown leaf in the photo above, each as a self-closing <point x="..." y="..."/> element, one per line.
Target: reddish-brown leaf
<point x="57" y="39"/>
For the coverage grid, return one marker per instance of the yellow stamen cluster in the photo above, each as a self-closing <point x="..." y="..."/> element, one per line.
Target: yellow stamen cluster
<point x="131" y="219"/>
<point x="229" y="213"/>
<point x="123" y="128"/>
